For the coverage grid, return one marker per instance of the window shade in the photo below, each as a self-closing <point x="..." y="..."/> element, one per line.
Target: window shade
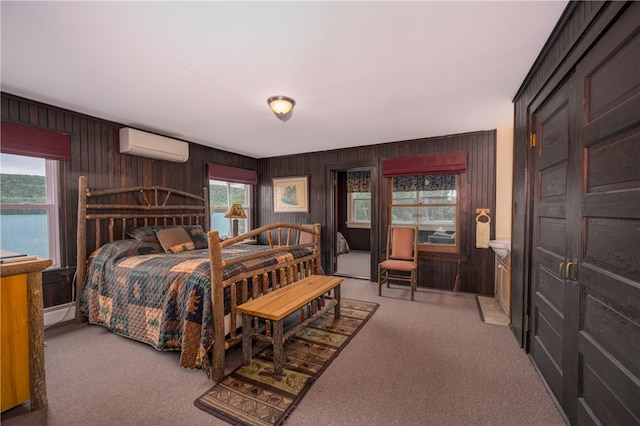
<point x="359" y="181"/>
<point x="33" y="142"/>
<point x="232" y="174"/>
<point x="450" y="163"/>
<point x="439" y="182"/>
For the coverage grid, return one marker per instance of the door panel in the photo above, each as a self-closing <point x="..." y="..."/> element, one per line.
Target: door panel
<point x="608" y="270"/>
<point x="549" y="228"/>
<point x="585" y="242"/>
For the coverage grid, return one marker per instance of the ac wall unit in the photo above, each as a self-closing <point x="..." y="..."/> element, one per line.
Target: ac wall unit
<point x="136" y="142"/>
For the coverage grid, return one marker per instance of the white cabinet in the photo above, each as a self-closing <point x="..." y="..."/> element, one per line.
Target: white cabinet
<point x="503" y="282"/>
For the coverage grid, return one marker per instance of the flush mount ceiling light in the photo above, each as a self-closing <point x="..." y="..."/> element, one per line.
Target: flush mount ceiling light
<point x="282" y="106"/>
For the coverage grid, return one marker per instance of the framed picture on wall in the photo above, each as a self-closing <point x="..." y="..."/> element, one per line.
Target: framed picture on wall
<point x="291" y="194"/>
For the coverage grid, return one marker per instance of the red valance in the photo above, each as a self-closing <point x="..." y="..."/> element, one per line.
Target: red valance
<point x="434" y="164"/>
<point x="33" y="142"/>
<point x="232" y="174"/>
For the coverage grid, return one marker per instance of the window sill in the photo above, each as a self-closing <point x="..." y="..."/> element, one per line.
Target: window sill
<point x="360" y="225"/>
<point x="438" y="248"/>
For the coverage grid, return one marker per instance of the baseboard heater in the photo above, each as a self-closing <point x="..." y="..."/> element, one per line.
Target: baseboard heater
<point x="59" y="314"/>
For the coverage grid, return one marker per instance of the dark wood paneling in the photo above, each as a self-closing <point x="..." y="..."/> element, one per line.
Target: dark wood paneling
<point x="478" y="191"/>
<point x="95" y="153"/>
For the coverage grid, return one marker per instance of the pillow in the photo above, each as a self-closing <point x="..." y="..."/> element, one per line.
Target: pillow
<point x="144" y="233"/>
<point x="175" y="240"/>
<point x="148" y="234"/>
<point x="197" y="235"/>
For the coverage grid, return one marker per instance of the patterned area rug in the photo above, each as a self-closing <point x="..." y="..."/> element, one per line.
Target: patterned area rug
<point x="251" y="396"/>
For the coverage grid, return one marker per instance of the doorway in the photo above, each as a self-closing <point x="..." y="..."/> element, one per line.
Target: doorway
<point x="351" y="240"/>
<point x="353" y="223"/>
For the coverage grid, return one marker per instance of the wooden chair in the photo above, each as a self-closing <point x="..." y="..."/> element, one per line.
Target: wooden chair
<point x="305" y="237"/>
<point x="402" y="258"/>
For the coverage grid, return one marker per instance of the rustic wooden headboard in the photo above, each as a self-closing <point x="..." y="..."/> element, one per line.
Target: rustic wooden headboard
<point x="104" y="215"/>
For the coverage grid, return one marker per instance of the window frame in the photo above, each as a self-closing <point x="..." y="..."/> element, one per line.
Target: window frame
<point x="247" y="205"/>
<point x="352" y="222"/>
<point x="426" y="247"/>
<point x="52" y="207"/>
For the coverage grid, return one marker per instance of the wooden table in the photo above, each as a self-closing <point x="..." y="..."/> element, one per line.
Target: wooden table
<point x="14" y="275"/>
<point x="274" y="307"/>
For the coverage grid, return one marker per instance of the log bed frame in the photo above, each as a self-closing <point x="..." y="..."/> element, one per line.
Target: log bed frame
<point x="107" y="213"/>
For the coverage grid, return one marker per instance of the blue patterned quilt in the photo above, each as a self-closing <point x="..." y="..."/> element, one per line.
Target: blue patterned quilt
<point x="137" y="290"/>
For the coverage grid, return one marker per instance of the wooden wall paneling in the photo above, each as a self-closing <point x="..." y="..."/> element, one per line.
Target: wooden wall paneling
<point x="480" y="192"/>
<point x="95" y="154"/>
<point x="95" y="150"/>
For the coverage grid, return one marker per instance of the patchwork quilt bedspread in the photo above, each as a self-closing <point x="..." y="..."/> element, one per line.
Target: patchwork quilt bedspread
<point x="137" y="290"/>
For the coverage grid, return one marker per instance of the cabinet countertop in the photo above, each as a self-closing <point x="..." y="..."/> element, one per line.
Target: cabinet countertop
<point x="15" y="268"/>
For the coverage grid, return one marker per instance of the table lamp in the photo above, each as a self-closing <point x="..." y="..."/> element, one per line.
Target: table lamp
<point x="235" y="212"/>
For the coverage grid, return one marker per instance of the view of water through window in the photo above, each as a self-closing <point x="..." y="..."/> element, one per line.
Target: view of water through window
<point x="23" y="199"/>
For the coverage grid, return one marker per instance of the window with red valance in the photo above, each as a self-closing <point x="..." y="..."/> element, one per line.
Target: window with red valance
<point x="232" y="174"/>
<point x="424" y="192"/>
<point x="30" y="199"/>
<point x="447" y="163"/>
<point x="34" y="142"/>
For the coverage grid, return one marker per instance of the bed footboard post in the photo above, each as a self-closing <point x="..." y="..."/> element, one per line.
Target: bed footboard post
<point x="81" y="252"/>
<point x="316" y="249"/>
<point x="217" y="302"/>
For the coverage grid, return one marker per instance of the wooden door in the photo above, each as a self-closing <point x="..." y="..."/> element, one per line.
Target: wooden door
<point x="549" y="287"/>
<point x="607" y="219"/>
<point x="585" y="295"/>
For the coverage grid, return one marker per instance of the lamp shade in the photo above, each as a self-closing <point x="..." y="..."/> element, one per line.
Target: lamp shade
<point x="235" y="212"/>
<point x="282" y="106"/>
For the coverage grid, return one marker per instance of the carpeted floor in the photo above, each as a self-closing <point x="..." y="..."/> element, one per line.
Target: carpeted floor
<point x="490" y="311"/>
<point x="355" y="264"/>
<point x="427" y="362"/>
<point x="250" y="395"/>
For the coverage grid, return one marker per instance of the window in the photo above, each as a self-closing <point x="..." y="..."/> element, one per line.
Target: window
<point x="431" y="203"/>
<point x="359" y="209"/>
<point x="29" y="203"/>
<point x="359" y="198"/>
<point x="221" y="195"/>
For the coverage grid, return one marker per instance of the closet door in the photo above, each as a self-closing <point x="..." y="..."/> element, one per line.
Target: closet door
<point x="608" y="222"/>
<point x="551" y="292"/>
<point x="585" y="294"/>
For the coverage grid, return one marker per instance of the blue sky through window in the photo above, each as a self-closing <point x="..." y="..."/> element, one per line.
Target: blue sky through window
<point x="19" y="165"/>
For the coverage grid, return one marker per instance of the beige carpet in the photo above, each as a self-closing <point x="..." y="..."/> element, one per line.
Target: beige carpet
<point x="490" y="311"/>
<point x="355" y="264"/>
<point x="427" y="362"/>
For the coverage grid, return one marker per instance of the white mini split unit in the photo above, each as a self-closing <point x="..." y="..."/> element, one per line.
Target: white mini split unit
<point x="136" y="142"/>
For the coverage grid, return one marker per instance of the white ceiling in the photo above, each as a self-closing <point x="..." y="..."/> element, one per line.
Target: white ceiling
<point x="361" y="72"/>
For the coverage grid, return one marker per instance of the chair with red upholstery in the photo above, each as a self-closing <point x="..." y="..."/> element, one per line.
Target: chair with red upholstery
<point x="402" y="258"/>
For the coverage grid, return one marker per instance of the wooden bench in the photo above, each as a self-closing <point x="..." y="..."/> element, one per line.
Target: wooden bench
<point x="310" y="292"/>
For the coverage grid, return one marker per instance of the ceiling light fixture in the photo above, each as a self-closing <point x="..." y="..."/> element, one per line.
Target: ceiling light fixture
<point x="282" y="106"/>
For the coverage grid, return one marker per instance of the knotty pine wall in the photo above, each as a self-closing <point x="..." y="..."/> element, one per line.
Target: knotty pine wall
<point x="95" y="154"/>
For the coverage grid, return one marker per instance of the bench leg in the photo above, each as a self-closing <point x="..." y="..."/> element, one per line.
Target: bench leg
<point x="278" y="348"/>
<point x="336" y="293"/>
<point x="247" y="339"/>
